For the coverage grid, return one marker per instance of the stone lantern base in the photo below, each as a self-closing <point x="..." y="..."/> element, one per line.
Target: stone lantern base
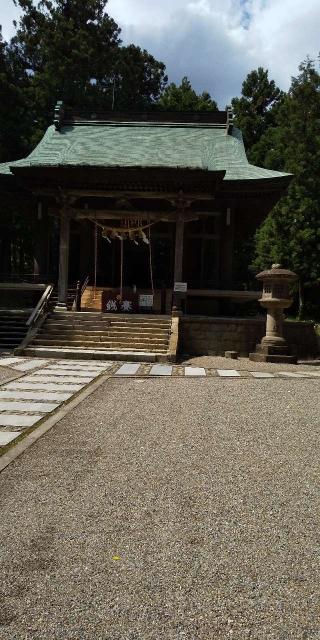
<point x="272" y="353"/>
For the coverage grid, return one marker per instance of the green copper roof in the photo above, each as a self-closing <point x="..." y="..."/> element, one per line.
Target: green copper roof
<point x="138" y="144"/>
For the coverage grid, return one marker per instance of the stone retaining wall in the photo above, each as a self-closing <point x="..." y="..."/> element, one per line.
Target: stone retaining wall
<point x="201" y="335"/>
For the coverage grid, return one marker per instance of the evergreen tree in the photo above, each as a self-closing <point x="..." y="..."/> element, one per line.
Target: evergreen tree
<point x="291" y="233"/>
<point x="184" y="98"/>
<point x="14" y="118"/>
<point x="255" y="110"/>
<point x="138" y="79"/>
<point x="71" y="51"/>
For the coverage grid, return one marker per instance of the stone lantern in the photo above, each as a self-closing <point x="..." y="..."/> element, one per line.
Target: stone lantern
<point x="275" y="298"/>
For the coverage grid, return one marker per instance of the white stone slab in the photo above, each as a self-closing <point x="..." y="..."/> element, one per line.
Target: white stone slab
<point x="310" y="373"/>
<point x="30" y="364"/>
<point x="8" y="361"/>
<point x="261" y="374"/>
<point x="194" y="371"/>
<point x="57" y="380"/>
<point x="228" y="373"/>
<point x="90" y="364"/>
<point x="290" y="374"/>
<point x="15" y="420"/>
<point x="34" y="395"/>
<point x="161" y="370"/>
<point x="32" y="407"/>
<point x="128" y="369"/>
<point x="66" y="372"/>
<point x="7" y="436"/>
<point x="44" y="386"/>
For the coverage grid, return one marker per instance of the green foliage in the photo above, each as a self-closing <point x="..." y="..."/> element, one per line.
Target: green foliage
<point x="70" y="50"/>
<point x="256" y="108"/>
<point x="184" y="98"/>
<point x="14" y="118"/>
<point x="291" y="233"/>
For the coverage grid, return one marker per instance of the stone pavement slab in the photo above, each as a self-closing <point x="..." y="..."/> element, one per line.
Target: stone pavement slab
<point x="227" y="373"/>
<point x="161" y="370"/>
<point x="37" y="379"/>
<point x="78" y="373"/>
<point x="9" y="361"/>
<point x="15" y="420"/>
<point x="261" y="374"/>
<point x="128" y="369"/>
<point x="194" y="371"/>
<point x="290" y="374"/>
<point x="23" y="394"/>
<point x="30" y="364"/>
<point x="23" y="406"/>
<point x="8" y="436"/>
<point x="43" y="386"/>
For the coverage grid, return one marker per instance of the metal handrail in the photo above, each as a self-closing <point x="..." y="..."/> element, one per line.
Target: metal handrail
<point x="40" y="306"/>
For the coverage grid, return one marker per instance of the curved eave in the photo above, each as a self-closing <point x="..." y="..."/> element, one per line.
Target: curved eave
<point x="258" y="185"/>
<point x="97" y="172"/>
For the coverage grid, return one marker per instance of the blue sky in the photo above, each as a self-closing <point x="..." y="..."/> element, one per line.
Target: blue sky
<point x="216" y="42"/>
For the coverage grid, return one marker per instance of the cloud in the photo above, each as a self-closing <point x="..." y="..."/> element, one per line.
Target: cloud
<point x="216" y="42"/>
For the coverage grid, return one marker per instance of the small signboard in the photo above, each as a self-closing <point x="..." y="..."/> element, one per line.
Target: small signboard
<point x="113" y="303"/>
<point x="145" y="301"/>
<point x="180" y="287"/>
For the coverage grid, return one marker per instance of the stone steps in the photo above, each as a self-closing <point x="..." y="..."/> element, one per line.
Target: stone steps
<point x="112" y="344"/>
<point x="80" y="353"/>
<point x="13" y="327"/>
<point x="100" y="332"/>
<point x="109" y="331"/>
<point x="89" y="337"/>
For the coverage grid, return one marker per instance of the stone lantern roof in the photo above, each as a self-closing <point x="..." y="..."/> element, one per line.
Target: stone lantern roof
<point x="277" y="273"/>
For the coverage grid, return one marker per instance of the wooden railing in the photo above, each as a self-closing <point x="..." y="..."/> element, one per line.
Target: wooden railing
<point x="80" y="288"/>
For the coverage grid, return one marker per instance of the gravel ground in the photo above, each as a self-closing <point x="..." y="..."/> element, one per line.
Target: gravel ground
<point x="168" y="510"/>
<point x="218" y="362"/>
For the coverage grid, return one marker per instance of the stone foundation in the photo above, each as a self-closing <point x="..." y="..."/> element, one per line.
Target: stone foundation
<point x="201" y="335"/>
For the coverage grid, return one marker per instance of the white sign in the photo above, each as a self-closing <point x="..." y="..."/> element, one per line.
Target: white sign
<point x="180" y="287"/>
<point x="145" y="300"/>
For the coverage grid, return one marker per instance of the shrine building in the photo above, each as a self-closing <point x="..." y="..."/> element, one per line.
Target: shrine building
<point x="145" y="211"/>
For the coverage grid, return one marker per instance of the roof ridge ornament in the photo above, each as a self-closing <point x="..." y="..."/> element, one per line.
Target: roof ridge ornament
<point x="58" y="115"/>
<point x="230" y="117"/>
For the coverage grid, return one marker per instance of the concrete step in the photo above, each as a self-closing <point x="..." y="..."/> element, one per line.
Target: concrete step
<point x="14" y="331"/>
<point x="112" y="344"/>
<point x="98" y="337"/>
<point x="91" y="354"/>
<point x="109" y="316"/>
<point x="132" y="333"/>
<point x="105" y="322"/>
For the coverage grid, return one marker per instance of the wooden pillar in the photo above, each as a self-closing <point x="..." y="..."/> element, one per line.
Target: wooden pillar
<point x="178" y="259"/>
<point x="85" y="247"/>
<point x="41" y="250"/>
<point x="63" y="258"/>
<point x="227" y="248"/>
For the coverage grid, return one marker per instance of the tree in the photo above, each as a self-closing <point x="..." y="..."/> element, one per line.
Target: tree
<point x="291" y="233"/>
<point x="71" y="51"/>
<point x="13" y="112"/>
<point x="139" y="79"/>
<point x="255" y="110"/>
<point x="184" y="98"/>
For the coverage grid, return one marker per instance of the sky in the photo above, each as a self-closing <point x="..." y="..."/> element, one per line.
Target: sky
<point x="215" y="42"/>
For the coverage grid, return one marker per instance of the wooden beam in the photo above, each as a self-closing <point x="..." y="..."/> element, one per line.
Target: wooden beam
<point x="170" y="216"/>
<point x="103" y="193"/>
